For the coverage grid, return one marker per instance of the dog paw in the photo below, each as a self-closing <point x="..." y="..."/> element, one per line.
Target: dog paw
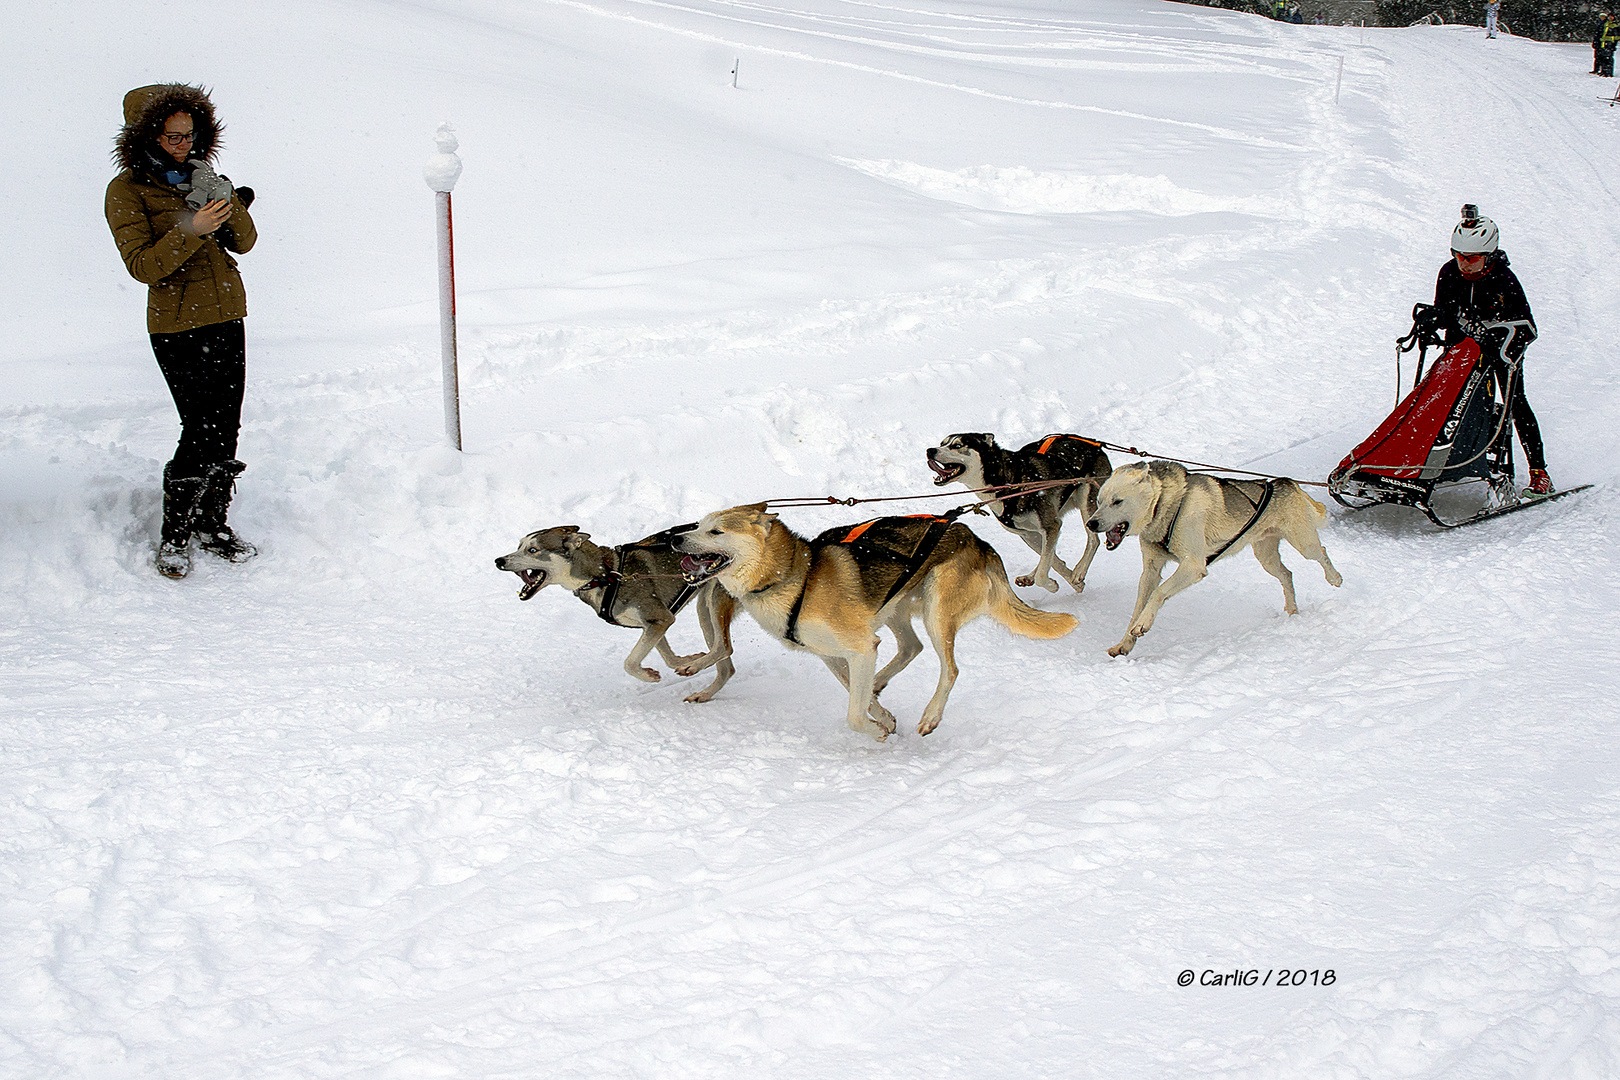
<point x="1139" y="628"/>
<point x="1079" y="584"/>
<point x="699" y="698"/>
<point x="871" y="727"/>
<point x="647" y="674"/>
<point x="1024" y="581"/>
<point x="1335" y="579"/>
<point x="927" y="725"/>
<point x="1123" y="648"/>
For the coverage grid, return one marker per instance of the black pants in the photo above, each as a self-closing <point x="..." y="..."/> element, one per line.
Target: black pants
<point x="205" y="369"/>
<point x="1524" y="419"/>
<point x="1603" y="62"/>
<point x="1524" y="422"/>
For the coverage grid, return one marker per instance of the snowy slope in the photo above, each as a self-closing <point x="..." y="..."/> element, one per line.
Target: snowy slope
<point x="352" y="810"/>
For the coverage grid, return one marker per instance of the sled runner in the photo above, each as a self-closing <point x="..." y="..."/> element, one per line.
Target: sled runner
<point x="1452" y="429"/>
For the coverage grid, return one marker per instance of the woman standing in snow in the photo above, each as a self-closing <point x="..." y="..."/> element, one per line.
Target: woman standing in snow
<point x="176" y="224"/>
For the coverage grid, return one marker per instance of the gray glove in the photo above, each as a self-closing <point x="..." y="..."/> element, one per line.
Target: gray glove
<point x="206" y="185"/>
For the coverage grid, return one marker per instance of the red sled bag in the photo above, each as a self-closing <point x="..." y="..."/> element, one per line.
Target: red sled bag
<point x="1452" y="427"/>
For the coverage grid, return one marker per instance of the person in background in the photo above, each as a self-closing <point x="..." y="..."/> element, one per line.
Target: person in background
<point x="176" y="224"/>
<point x="1474" y="290"/>
<point x="1603" y="44"/>
<point x="1492" y="8"/>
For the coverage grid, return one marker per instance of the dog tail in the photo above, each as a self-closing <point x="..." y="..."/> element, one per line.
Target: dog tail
<point x="1017" y="616"/>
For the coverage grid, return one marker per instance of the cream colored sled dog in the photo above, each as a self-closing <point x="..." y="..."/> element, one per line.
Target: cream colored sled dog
<point x="831" y="594"/>
<point x="1193" y="520"/>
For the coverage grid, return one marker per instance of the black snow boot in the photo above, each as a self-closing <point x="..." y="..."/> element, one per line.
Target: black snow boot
<point x="180" y="496"/>
<point x="213" y="535"/>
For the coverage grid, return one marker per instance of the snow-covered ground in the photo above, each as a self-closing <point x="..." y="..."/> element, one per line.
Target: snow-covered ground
<point x="352" y="810"/>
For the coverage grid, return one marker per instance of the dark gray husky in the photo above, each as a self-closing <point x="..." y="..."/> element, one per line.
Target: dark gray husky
<point x="636" y="585"/>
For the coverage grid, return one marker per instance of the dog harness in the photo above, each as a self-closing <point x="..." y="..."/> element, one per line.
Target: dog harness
<point x="886" y="538"/>
<point x="1269" y="488"/>
<point x="1046" y="443"/>
<point x="608" y="581"/>
<point x="1005" y="511"/>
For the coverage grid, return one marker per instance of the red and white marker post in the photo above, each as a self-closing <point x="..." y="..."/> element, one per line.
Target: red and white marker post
<point x="441" y="173"/>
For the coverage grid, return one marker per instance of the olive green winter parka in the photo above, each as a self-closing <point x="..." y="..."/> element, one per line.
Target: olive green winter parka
<point x="192" y="280"/>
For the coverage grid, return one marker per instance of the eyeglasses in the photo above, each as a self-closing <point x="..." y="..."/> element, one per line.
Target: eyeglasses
<point x="1463" y="256"/>
<point x="178" y="138"/>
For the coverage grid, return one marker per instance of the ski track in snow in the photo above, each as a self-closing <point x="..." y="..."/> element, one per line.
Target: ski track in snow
<point x="350" y="810"/>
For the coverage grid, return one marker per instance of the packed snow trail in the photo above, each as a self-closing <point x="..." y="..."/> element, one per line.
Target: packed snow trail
<point x="352" y="810"/>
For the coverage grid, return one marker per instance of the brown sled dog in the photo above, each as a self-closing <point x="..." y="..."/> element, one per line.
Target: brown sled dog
<point x="831" y="594"/>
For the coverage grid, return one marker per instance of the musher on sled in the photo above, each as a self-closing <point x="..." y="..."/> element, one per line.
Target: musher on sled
<point x="1475" y="289"/>
<point x="1456" y="425"/>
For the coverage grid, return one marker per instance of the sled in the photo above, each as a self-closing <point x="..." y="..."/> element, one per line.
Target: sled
<point x="1453" y="429"/>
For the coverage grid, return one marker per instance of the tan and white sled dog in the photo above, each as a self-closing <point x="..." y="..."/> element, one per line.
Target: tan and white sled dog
<point x="831" y="594"/>
<point x="636" y="585"/>
<point x="1193" y="520"/>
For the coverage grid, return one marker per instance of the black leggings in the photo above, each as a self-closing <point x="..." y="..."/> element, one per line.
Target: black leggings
<point x="205" y="369"/>
<point x="1524" y="420"/>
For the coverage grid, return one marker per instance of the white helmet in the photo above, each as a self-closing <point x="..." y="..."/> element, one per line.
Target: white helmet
<point x="1474" y="235"/>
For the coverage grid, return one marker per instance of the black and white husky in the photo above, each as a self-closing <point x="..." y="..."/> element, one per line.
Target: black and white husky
<point x="975" y="461"/>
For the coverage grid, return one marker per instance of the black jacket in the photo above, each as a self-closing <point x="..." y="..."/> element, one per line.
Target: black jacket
<point x="1495" y="296"/>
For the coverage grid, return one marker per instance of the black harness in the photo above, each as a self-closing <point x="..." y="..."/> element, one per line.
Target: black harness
<point x="888" y="545"/>
<point x="1269" y="488"/>
<point x="1009" y="506"/>
<point x="610" y="577"/>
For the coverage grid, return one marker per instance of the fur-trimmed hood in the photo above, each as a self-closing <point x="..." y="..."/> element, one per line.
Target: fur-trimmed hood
<point x="145" y="110"/>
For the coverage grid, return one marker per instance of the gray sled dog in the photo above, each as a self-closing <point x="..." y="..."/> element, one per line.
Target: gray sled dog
<point x="637" y="585"/>
<point x="831" y="594"/>
<point x="975" y="461"/>
<point x="1193" y="520"/>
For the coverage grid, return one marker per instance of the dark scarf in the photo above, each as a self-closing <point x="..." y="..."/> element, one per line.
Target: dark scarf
<point x="169" y="171"/>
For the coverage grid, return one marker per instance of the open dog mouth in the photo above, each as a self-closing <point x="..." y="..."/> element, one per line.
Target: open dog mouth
<point x="1115" y="536"/>
<point x="533" y="580"/>
<point x="945" y="471"/>
<point x="701" y="567"/>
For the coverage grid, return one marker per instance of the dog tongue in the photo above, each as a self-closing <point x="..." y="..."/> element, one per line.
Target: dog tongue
<point x="1116" y="536"/>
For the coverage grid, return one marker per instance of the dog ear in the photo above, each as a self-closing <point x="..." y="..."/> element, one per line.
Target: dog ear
<point x="574" y="538"/>
<point x="989" y="440"/>
<point x="764" y="516"/>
